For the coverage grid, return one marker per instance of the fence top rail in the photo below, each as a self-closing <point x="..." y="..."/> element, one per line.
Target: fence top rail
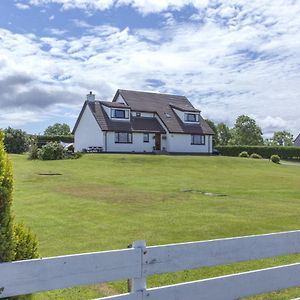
<point x="193" y="255"/>
<point x="29" y="276"/>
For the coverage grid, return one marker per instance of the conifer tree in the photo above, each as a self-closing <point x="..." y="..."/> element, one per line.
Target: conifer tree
<point x="6" y="220"/>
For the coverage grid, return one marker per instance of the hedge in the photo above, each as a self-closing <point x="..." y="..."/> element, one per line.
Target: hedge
<point x="264" y="151"/>
<point x="44" y="139"/>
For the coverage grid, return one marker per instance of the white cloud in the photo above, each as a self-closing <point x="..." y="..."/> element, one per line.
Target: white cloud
<point x="22" y="6"/>
<point x="244" y="63"/>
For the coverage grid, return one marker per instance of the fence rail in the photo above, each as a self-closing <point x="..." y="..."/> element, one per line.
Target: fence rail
<point x="30" y="276"/>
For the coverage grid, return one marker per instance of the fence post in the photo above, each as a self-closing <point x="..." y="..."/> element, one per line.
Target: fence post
<point x="139" y="284"/>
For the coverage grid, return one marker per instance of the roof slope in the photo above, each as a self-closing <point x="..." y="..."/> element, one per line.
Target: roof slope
<point x="137" y="124"/>
<point x="162" y="105"/>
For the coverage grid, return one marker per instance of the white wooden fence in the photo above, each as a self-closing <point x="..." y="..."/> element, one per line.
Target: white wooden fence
<point x="138" y="262"/>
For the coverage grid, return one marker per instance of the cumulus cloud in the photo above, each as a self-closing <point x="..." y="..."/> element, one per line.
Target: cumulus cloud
<point x="22" y="6"/>
<point x="234" y="58"/>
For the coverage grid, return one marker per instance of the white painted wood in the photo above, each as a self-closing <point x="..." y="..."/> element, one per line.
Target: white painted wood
<point x="179" y="257"/>
<point x="139" y="284"/>
<point x="131" y="296"/>
<point x="23" y="277"/>
<point x="232" y="286"/>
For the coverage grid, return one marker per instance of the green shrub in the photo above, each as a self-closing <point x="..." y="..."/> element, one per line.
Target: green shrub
<point x="244" y="154"/>
<point x="256" y="156"/>
<point x="33" y="149"/>
<point x="6" y="219"/>
<point x="16" y="242"/>
<point x="25" y="243"/>
<point x="52" y="151"/>
<point x="264" y="151"/>
<point x="275" y="159"/>
<point x="15" y="140"/>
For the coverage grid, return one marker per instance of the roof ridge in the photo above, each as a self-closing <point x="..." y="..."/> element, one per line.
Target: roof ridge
<point x="149" y="92"/>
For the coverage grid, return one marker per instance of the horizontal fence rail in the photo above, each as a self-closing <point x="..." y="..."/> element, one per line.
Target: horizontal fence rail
<point x="30" y="276"/>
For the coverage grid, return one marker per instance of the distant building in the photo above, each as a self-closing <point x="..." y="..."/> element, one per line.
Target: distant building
<point x="142" y="122"/>
<point x="297" y="141"/>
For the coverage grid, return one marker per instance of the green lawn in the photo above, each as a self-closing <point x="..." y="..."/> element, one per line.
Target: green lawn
<point x="103" y="202"/>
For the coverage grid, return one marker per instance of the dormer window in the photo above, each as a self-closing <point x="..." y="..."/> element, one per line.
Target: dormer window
<point x="189" y="117"/>
<point x="120" y="114"/>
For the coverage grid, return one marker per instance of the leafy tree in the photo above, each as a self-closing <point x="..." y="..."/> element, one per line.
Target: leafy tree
<point x="282" y="138"/>
<point x="7" y="244"/>
<point x="213" y="126"/>
<point x="224" y="134"/>
<point x="246" y="132"/>
<point x="15" y="140"/>
<point x="58" y="129"/>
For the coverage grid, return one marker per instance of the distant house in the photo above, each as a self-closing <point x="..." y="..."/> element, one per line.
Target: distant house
<point x="297" y="141"/>
<point x="141" y="122"/>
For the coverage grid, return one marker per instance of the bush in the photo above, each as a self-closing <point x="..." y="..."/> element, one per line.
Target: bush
<point x="16" y="242"/>
<point x="244" y="154"/>
<point x="256" y="156"/>
<point x="33" y="149"/>
<point x="275" y="159"/>
<point x="15" y="140"/>
<point x="25" y="243"/>
<point x="264" y="151"/>
<point x="52" y="151"/>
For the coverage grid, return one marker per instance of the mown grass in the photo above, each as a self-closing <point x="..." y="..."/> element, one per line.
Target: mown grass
<point x="103" y="202"/>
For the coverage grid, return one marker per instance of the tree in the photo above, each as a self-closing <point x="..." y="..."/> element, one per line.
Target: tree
<point x="16" y="241"/>
<point x="282" y="138"/>
<point x="58" y="129"/>
<point x="213" y="126"/>
<point x="224" y="134"/>
<point x="15" y="140"/>
<point x="7" y="244"/>
<point x="246" y="132"/>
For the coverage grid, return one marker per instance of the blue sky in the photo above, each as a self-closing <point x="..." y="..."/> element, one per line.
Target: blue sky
<point x="229" y="57"/>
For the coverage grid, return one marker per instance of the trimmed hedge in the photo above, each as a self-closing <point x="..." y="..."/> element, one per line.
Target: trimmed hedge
<point x="44" y="139"/>
<point x="264" y="151"/>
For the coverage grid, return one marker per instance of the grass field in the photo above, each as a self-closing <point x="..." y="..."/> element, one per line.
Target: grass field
<point x="103" y="202"/>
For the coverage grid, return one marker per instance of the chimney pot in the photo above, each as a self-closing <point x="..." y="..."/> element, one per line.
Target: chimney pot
<point x="90" y="96"/>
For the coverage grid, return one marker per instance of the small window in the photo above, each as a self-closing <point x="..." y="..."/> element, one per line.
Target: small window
<point x="190" y="117"/>
<point x="146" y="137"/>
<point x="138" y="114"/>
<point x="123" y="138"/>
<point x="198" y="139"/>
<point x="120" y="114"/>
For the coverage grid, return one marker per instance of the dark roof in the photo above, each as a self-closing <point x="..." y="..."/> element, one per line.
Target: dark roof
<point x="136" y="124"/>
<point x="297" y="140"/>
<point x="114" y="104"/>
<point x="185" y="107"/>
<point x="161" y="104"/>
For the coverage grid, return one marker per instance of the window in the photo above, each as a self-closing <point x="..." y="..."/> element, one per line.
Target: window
<point x="123" y="137"/>
<point x="119" y="114"/>
<point x="146" y="137"/>
<point x="191" y="117"/>
<point x="198" y="139"/>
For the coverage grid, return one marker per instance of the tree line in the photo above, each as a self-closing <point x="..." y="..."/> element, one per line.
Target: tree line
<point x="247" y="132"/>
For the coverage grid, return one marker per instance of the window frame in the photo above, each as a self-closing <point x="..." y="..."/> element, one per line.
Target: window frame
<point x="202" y="140"/>
<point x="147" y="135"/>
<point x="187" y="115"/>
<point x="114" y="115"/>
<point x="128" y="139"/>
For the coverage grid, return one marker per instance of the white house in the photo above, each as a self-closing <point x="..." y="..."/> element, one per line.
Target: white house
<point x="142" y="122"/>
<point x="297" y="141"/>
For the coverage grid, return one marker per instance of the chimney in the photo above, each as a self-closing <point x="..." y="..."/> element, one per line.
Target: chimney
<point x="90" y="97"/>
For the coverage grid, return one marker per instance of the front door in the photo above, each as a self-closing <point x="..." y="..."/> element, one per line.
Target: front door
<point x="157" y="141"/>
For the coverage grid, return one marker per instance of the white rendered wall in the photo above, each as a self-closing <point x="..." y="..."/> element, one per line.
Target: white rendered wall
<point x="88" y="132"/>
<point x="120" y="99"/>
<point x="137" y="144"/>
<point x="182" y="143"/>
